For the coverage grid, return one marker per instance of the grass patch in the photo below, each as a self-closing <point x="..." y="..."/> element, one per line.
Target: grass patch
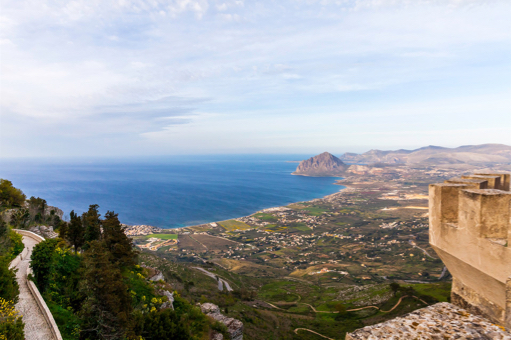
<point x="440" y="291"/>
<point x="234" y="225"/>
<point x="266" y="217"/>
<point x="162" y="236"/>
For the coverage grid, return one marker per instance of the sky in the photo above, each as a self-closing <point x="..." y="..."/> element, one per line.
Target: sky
<point x="131" y="78"/>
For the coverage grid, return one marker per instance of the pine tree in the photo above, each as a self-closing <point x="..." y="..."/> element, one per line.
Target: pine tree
<point x="92" y="224"/>
<point x="75" y="231"/>
<point x="116" y="241"/>
<point x="107" y="307"/>
<point x="63" y="230"/>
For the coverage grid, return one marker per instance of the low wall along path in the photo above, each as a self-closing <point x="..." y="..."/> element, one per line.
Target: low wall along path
<point x="39" y="323"/>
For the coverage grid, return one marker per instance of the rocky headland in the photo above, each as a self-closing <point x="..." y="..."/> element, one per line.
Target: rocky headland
<point x="324" y="164"/>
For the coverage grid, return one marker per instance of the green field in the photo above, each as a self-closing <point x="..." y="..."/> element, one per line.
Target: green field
<point x="266" y="217"/>
<point x="162" y="236"/>
<point x="315" y="211"/>
<point x="234" y="225"/>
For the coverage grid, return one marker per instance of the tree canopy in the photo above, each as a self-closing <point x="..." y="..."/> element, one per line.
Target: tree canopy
<point x="9" y="195"/>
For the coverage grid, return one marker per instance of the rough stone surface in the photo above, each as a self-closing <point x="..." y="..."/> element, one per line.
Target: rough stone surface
<point x="157" y="277"/>
<point x="217" y="336"/>
<point x="440" y="321"/>
<point x="36" y="327"/>
<point x="44" y="231"/>
<point x="170" y="297"/>
<point x="324" y="164"/>
<point x="234" y="326"/>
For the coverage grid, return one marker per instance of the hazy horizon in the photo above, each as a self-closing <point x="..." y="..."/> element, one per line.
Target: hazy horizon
<point x="185" y="77"/>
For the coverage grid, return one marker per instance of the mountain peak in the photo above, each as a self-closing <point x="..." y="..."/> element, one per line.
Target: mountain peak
<point x="324" y="164"/>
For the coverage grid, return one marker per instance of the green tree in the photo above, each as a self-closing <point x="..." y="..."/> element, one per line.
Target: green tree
<point x="75" y="232"/>
<point x="63" y="230"/>
<point x="9" y="195"/>
<point x="37" y="207"/>
<point x="116" y="241"/>
<point x="20" y="218"/>
<point x="92" y="224"/>
<point x="42" y="262"/>
<point x="65" y="276"/>
<point x="394" y="286"/>
<point x="3" y="228"/>
<point x="9" y="289"/>
<point x="107" y="307"/>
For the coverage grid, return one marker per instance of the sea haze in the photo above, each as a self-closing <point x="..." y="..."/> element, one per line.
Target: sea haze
<point x="169" y="192"/>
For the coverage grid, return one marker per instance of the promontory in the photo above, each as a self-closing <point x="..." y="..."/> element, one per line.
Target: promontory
<point x="324" y="164"/>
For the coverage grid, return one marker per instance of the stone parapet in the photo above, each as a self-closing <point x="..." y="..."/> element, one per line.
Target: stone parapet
<point x="470" y="231"/>
<point x="440" y="321"/>
<point x="43" y="307"/>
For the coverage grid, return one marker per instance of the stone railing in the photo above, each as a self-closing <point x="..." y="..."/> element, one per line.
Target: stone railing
<point x="43" y="307"/>
<point x="29" y="234"/>
<point x="33" y="288"/>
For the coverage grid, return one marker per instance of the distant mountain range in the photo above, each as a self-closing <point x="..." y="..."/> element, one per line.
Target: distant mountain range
<point x="436" y="155"/>
<point x="326" y="164"/>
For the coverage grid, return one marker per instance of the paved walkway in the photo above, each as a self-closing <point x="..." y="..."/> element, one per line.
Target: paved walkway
<point x="36" y="327"/>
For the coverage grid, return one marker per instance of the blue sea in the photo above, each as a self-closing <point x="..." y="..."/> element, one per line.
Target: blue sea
<point x="168" y="192"/>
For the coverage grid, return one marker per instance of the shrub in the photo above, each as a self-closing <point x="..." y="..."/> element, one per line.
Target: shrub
<point x="9" y="289"/>
<point x="11" y="323"/>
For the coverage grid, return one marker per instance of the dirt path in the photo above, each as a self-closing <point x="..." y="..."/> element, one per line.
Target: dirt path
<point x="355" y="309"/>
<point x="199" y="242"/>
<point x="310" y="330"/>
<point x="36" y="327"/>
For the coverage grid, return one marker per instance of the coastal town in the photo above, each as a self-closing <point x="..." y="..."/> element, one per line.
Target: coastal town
<point x="373" y="229"/>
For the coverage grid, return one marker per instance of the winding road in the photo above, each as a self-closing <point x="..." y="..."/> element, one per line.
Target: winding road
<point x="221" y="282"/>
<point x="36" y="326"/>
<point x="355" y="309"/>
<point x="412" y="243"/>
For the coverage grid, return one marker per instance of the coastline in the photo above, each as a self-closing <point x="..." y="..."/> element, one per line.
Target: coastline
<point x="185" y="229"/>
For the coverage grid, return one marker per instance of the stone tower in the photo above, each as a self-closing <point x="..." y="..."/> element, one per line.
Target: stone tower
<point x="470" y="230"/>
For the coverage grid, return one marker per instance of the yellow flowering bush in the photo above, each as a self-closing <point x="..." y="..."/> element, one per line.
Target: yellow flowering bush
<point x="11" y="322"/>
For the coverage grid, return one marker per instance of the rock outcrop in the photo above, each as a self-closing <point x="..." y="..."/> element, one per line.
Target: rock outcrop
<point x="234" y="326"/>
<point x="322" y="165"/>
<point x="170" y="300"/>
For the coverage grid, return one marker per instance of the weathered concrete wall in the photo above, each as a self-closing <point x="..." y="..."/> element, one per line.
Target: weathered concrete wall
<point x="470" y="231"/>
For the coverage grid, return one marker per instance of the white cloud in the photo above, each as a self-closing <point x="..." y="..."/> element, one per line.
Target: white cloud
<point x="136" y="68"/>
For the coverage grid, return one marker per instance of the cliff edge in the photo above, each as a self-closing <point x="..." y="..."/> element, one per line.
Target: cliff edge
<point x="324" y="164"/>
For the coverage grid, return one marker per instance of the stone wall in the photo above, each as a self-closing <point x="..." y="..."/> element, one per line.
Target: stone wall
<point x="470" y="231"/>
<point x="234" y="326"/>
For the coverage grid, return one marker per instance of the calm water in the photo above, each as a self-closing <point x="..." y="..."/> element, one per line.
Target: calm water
<point x="169" y="192"/>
